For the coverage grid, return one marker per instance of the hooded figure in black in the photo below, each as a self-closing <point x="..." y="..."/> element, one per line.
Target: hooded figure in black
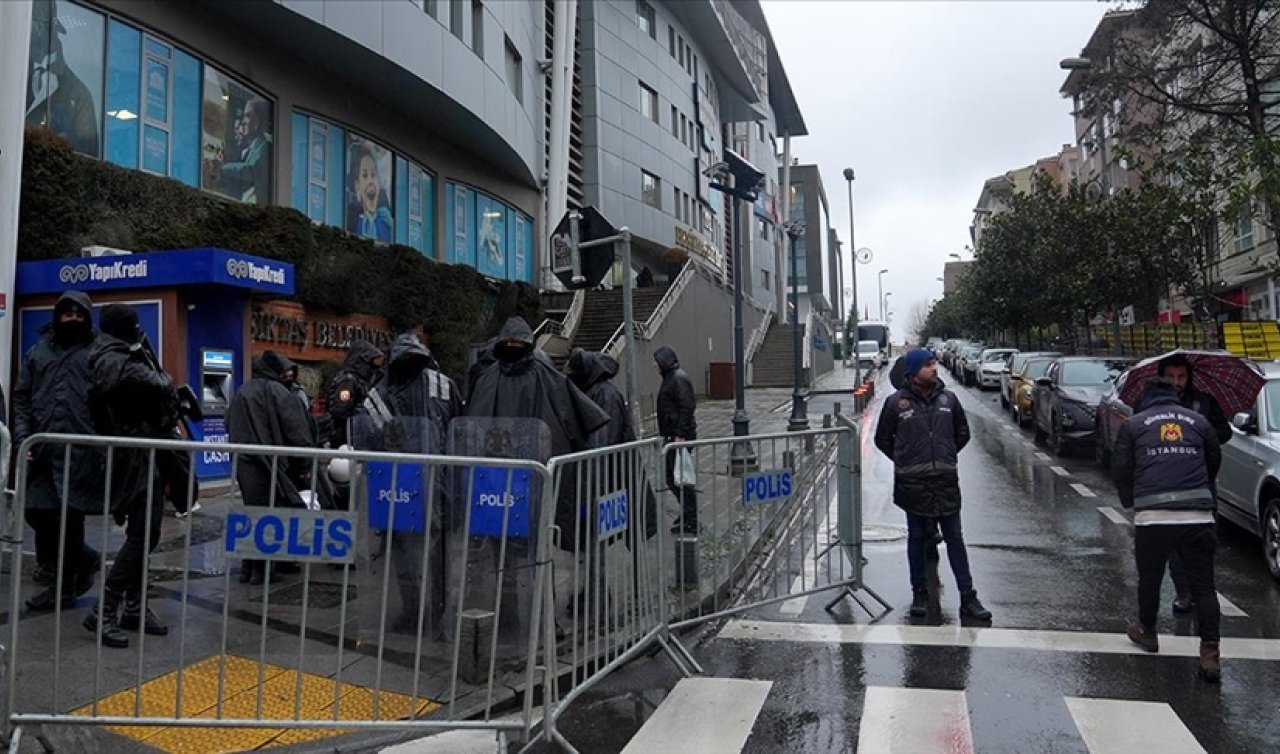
<point x="593" y="374"/>
<point x="131" y="397"/>
<point x="520" y="383"/>
<point x="361" y="371"/>
<point x="414" y="389"/>
<point x="265" y="412"/>
<point x="53" y="396"/>
<point x="677" y="422"/>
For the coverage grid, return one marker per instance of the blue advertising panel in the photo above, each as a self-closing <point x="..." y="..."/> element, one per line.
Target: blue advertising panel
<point x="408" y="499"/>
<point x="460" y="203"/>
<point x="498" y="493"/>
<point x="31" y="320"/>
<point x="491" y="236"/>
<point x="213" y="463"/>
<point x="157" y="269"/>
<point x="520" y="247"/>
<point x="124" y="93"/>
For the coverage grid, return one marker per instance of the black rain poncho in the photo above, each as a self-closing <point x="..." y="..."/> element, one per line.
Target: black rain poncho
<point x="53" y="396"/>
<point x="264" y="412"/>
<point x="520" y="383"/>
<point x="349" y="387"/>
<point x="592" y="372"/>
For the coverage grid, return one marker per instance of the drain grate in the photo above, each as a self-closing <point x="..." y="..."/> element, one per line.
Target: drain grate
<point x="322" y="595"/>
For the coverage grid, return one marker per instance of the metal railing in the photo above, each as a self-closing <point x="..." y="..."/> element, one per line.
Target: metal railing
<point x="407" y="613"/>
<point x="436" y="588"/>
<point x="758" y="334"/>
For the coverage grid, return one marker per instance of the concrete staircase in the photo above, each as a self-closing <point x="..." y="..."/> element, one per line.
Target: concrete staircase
<point x="773" y="364"/>
<point x="602" y="316"/>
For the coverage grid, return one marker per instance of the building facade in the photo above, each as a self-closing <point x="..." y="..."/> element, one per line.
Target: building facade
<point x="817" y="273"/>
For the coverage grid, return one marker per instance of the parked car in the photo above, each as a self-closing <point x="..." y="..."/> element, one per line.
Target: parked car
<point x="1111" y="413"/>
<point x="970" y="359"/>
<point x="1012" y="367"/>
<point x="1023" y="382"/>
<point x="1065" y="399"/>
<point x="991" y="365"/>
<point x="1249" y="482"/>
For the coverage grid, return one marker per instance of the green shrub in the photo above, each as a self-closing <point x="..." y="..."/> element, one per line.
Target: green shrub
<point x="70" y="201"/>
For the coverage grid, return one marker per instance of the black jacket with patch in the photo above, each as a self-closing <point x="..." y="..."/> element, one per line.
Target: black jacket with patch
<point x="1166" y="456"/>
<point x="924" y="436"/>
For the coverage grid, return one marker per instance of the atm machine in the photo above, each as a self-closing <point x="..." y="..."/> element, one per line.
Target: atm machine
<point x="217" y="383"/>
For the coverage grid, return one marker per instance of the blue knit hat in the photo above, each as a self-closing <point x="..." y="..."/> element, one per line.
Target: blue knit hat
<point x="916" y="358"/>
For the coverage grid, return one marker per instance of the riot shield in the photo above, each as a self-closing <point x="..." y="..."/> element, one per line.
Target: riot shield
<point x="403" y="563"/>
<point x="493" y="533"/>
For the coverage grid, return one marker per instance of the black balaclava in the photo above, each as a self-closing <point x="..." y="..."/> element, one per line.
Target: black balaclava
<point x="121" y="322"/>
<point x="68" y="333"/>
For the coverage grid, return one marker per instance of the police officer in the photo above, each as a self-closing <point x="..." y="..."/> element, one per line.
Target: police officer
<point x="923" y="429"/>
<point x="1166" y="457"/>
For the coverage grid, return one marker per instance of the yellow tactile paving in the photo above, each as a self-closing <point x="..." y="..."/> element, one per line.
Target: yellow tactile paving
<point x="285" y="693"/>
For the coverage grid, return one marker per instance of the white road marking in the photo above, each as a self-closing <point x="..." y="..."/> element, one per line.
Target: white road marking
<point x="1083" y="490"/>
<point x="1060" y="471"/>
<point x="914" y="721"/>
<point x="1120" y="726"/>
<point x="989" y="638"/>
<point x="703" y="715"/>
<point x="1116" y="516"/>
<point x="1229" y="608"/>
<point x="1040" y="456"/>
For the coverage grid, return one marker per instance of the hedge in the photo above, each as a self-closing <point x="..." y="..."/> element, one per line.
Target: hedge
<point x="70" y="201"/>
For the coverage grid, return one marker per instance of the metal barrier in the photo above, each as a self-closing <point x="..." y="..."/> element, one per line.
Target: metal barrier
<point x="609" y="605"/>
<point x="341" y="646"/>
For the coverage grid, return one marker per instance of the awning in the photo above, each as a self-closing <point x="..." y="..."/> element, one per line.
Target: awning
<point x="157" y="269"/>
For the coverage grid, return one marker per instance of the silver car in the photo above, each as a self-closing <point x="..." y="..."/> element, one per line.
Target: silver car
<point x="1249" y="482"/>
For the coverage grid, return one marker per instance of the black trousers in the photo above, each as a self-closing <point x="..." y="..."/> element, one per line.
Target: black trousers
<point x="688" y="497"/>
<point x="1195" y="545"/>
<point x="127" y="573"/>
<point x="47" y="525"/>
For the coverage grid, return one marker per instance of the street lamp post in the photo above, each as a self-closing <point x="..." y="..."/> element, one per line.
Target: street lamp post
<point x="857" y="369"/>
<point x="799" y="419"/>
<point x="740" y="180"/>
<point x="880" y="290"/>
<point x="884" y="306"/>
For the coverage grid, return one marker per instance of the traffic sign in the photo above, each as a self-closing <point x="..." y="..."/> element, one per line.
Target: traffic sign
<point x="595" y="262"/>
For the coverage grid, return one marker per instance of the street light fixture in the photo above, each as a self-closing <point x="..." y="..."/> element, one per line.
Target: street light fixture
<point x="799" y="420"/>
<point x="880" y="290"/>
<point x="857" y="370"/>
<point x="742" y="181"/>
<point x="884" y="306"/>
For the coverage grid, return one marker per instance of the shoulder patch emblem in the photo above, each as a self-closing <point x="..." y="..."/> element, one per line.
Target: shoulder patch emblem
<point x="904" y="404"/>
<point x="344" y="395"/>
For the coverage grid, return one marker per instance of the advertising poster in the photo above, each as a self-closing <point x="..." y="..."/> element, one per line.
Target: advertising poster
<point x="368" y="188"/>
<point x="236" y="132"/>
<point x="155" y="150"/>
<point x="519" y="247"/>
<point x="460" y="221"/>
<point x="157" y="91"/>
<point x="492" y="232"/>
<point x="65" y="77"/>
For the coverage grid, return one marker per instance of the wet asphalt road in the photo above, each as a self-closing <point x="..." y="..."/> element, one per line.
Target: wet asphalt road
<point x="1045" y="558"/>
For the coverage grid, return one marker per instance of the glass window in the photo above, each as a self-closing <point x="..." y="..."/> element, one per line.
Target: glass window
<point x="515" y="71"/>
<point x="645" y="17"/>
<point x="648" y="103"/>
<point x="521" y="262"/>
<point x="675" y="122"/>
<point x="1086" y="373"/>
<point x="124" y="94"/>
<point x="455" y="18"/>
<point x="368" y="190"/>
<point x="1244" y="228"/>
<point x="477" y="28"/>
<point x="671" y="40"/>
<point x="491" y="232"/>
<point x="675" y="197"/>
<point x="65" y="75"/>
<point x="650" y="189"/>
<point x="236" y="142"/>
<point x="460" y="202"/>
<point x="1036" y="368"/>
<point x="184" y="164"/>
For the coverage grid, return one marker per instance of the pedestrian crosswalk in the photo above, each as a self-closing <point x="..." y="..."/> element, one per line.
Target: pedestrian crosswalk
<point x="718" y="714"/>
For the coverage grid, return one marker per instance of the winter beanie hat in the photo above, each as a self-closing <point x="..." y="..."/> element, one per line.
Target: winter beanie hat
<point x="916" y="358"/>
<point x="120" y="321"/>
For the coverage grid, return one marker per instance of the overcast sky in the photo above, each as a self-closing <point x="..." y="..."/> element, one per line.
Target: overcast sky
<point x="924" y="101"/>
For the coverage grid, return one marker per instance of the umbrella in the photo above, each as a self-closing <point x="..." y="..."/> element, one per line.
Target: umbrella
<point x="1233" y="381"/>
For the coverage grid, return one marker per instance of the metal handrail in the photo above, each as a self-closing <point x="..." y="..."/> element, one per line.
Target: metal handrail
<point x="644" y="330"/>
<point x="570" y="323"/>
<point x="759" y="334"/>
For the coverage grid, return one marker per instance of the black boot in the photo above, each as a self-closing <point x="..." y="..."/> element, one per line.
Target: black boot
<point x="101" y="620"/>
<point x="970" y="606"/>
<point x="919" y="604"/>
<point x="132" y="617"/>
